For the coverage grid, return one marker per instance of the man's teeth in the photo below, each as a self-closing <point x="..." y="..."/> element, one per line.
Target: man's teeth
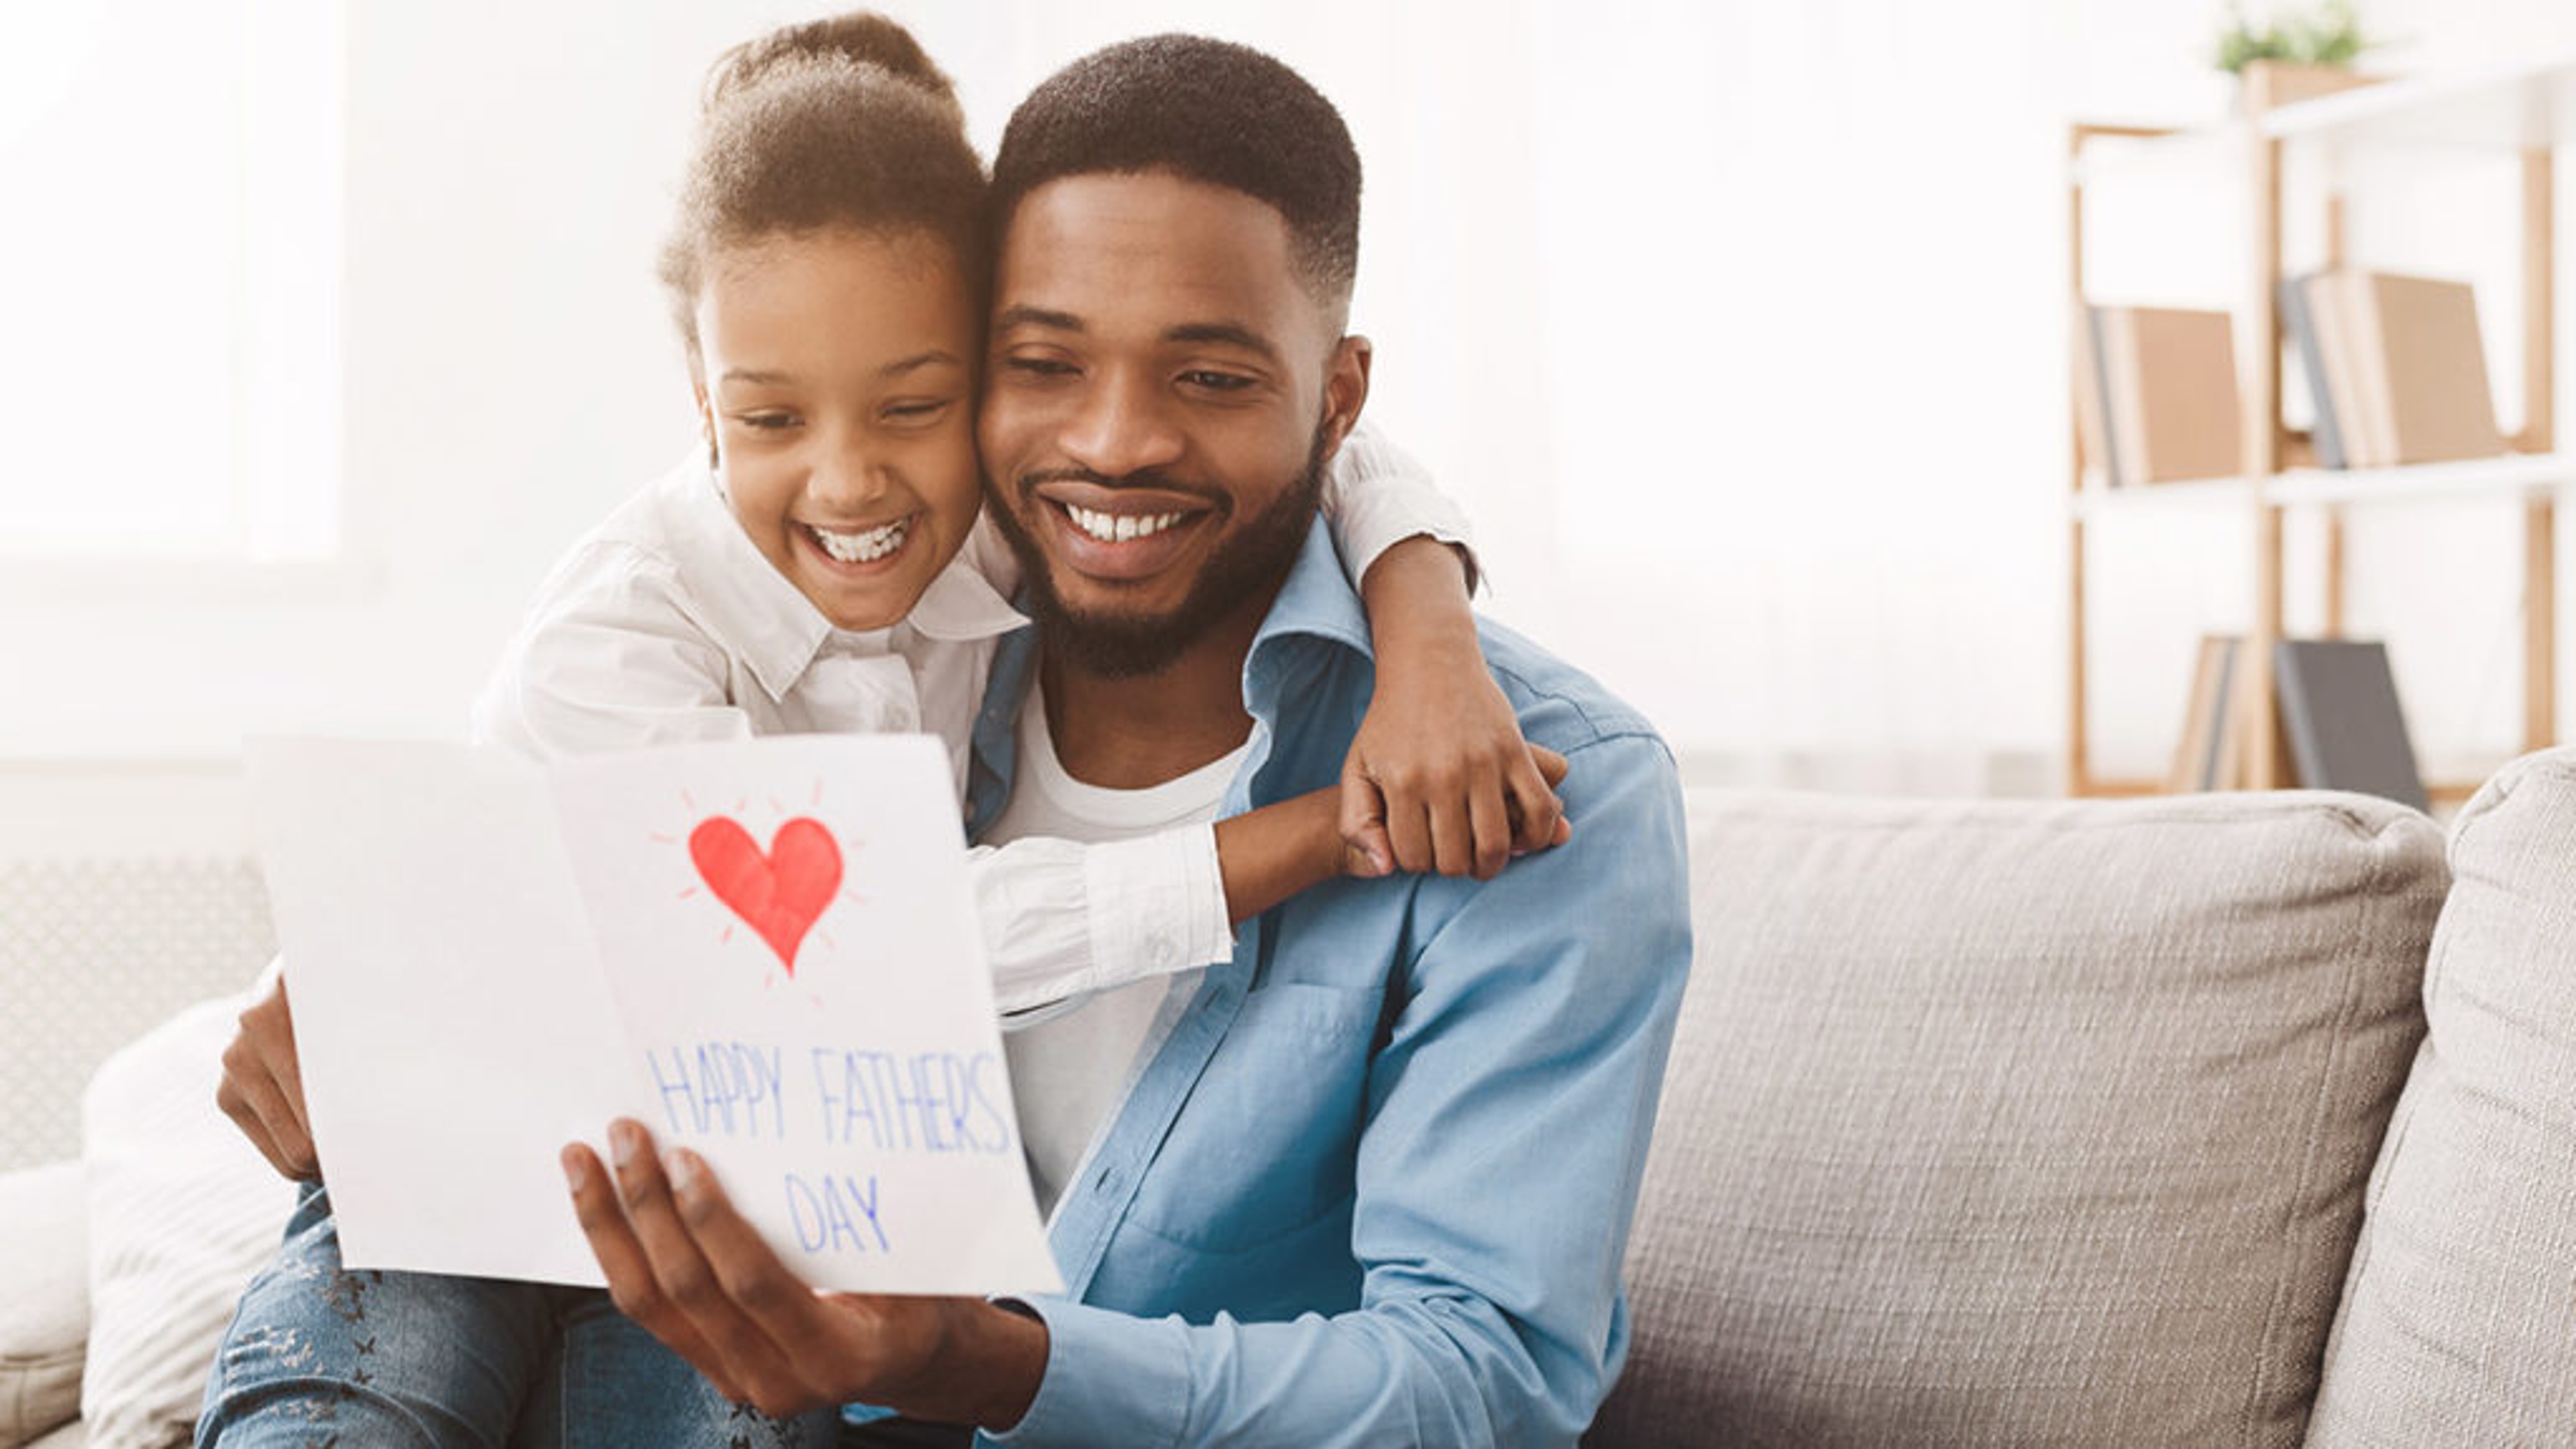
<point x="876" y="543"/>
<point x="1119" y="527"/>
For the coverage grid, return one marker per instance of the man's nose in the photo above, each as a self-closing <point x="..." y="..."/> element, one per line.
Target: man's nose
<point x="1123" y="426"/>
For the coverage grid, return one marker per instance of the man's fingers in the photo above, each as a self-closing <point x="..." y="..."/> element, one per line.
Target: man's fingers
<point x="623" y="1262"/>
<point x="745" y="1266"/>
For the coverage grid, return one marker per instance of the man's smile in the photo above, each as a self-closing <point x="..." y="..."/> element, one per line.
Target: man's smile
<point x="1120" y="533"/>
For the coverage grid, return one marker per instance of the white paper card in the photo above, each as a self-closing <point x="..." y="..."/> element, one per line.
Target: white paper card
<point x="764" y="950"/>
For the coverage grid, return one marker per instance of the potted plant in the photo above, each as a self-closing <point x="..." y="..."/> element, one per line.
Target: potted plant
<point x="2298" y="55"/>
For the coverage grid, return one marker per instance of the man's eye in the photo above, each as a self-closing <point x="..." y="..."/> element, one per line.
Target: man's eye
<point x="1038" y="366"/>
<point x="1214" y="381"/>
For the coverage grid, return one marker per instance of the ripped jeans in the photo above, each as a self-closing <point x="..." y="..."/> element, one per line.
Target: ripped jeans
<point x="320" y="1356"/>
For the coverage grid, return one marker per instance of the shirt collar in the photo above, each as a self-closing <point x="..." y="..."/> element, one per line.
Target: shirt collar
<point x="962" y="606"/>
<point x="768" y="622"/>
<point x="1316" y="601"/>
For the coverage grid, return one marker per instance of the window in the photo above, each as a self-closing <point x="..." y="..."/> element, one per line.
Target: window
<point x="171" y="270"/>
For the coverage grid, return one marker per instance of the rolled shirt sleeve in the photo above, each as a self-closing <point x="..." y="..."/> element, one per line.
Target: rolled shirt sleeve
<point x="1376" y="495"/>
<point x="1063" y="919"/>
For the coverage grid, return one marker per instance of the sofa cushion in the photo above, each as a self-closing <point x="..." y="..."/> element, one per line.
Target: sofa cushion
<point x="2459" y="1324"/>
<point x="44" y="1315"/>
<point x="182" y="1211"/>
<point x="2014" y="1122"/>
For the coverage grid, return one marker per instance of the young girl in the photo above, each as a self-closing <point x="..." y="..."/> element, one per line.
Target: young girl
<point x="820" y="567"/>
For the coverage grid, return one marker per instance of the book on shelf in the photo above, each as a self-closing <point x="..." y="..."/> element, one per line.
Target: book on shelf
<point x="2166" y="379"/>
<point x="2339" y="710"/>
<point x="2092" y="429"/>
<point x="2301" y="327"/>
<point x="2395" y="367"/>
<point x="2340" y="724"/>
<point x="2206" y="757"/>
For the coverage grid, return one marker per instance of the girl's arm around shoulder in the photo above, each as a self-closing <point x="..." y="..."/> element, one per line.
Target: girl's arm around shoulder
<point x="1439" y="777"/>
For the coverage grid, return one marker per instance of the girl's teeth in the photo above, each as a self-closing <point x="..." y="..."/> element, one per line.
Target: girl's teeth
<point x="1119" y="527"/>
<point x="866" y="547"/>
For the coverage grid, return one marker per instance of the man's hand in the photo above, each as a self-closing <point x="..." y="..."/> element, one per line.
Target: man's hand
<point x="263" y="1087"/>
<point x="684" y="1265"/>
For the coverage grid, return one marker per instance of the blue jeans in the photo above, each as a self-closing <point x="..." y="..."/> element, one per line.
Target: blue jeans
<point x="318" y="1355"/>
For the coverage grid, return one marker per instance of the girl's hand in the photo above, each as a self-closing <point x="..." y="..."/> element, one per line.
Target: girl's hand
<point x="263" y="1085"/>
<point x="1439" y="777"/>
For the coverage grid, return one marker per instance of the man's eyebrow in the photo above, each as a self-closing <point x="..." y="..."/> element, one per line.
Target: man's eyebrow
<point x="1024" y="315"/>
<point x="1231" y="333"/>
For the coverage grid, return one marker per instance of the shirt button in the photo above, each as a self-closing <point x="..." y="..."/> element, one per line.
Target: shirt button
<point x="1108" y="1179"/>
<point x="1161" y="951"/>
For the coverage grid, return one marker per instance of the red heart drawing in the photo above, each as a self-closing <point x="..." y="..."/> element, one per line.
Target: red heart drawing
<point x="779" y="894"/>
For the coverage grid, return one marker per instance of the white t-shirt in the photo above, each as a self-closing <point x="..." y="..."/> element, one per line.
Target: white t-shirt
<point x="1070" y="1072"/>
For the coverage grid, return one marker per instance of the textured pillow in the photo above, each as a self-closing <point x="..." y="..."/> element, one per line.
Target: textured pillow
<point x="182" y="1210"/>
<point x="2459" y="1324"/>
<point x="44" y="1316"/>
<point x="2020" y="1123"/>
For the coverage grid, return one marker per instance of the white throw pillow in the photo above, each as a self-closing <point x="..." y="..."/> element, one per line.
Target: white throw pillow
<point x="44" y="1317"/>
<point x="182" y="1211"/>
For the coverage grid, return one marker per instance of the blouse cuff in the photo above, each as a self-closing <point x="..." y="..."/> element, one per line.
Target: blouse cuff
<point x="1377" y="495"/>
<point x="1157" y="906"/>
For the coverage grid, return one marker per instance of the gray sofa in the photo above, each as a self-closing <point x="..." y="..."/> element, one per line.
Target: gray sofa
<point x="2111" y="1123"/>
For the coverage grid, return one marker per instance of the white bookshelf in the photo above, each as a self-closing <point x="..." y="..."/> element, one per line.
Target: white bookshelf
<point x="2515" y="475"/>
<point x="2528" y="105"/>
<point x="2524" y="110"/>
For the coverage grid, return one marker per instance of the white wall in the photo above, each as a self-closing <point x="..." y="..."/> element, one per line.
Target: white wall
<point x="1739" y="327"/>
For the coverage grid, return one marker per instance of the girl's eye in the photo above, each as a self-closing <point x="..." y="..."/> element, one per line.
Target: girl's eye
<point x="766" y="422"/>
<point x="927" y="411"/>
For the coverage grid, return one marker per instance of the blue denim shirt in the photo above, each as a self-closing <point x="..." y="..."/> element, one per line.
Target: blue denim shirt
<point x="1374" y="1186"/>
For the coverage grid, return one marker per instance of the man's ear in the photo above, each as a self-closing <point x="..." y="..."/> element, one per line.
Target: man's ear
<point x="1346" y="385"/>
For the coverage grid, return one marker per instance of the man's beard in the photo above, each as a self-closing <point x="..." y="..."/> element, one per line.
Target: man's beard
<point x="1247" y="567"/>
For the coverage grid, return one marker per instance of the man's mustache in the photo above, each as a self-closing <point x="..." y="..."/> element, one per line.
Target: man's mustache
<point x="1143" y="478"/>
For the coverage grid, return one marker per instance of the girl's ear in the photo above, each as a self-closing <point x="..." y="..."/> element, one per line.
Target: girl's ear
<point x="706" y="414"/>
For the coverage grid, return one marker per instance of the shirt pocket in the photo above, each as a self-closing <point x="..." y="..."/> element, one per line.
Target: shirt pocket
<point x="1268" y="1138"/>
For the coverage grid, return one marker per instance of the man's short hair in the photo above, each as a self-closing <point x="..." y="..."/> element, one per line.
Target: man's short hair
<point x="1207" y="110"/>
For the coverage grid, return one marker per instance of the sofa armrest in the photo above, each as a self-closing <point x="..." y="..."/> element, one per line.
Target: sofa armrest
<point x="44" y="1299"/>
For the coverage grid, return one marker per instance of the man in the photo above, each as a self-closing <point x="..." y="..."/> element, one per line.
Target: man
<point x="1370" y="1183"/>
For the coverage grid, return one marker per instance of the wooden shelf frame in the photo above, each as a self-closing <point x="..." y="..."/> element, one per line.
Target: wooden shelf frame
<point x="2530" y="109"/>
